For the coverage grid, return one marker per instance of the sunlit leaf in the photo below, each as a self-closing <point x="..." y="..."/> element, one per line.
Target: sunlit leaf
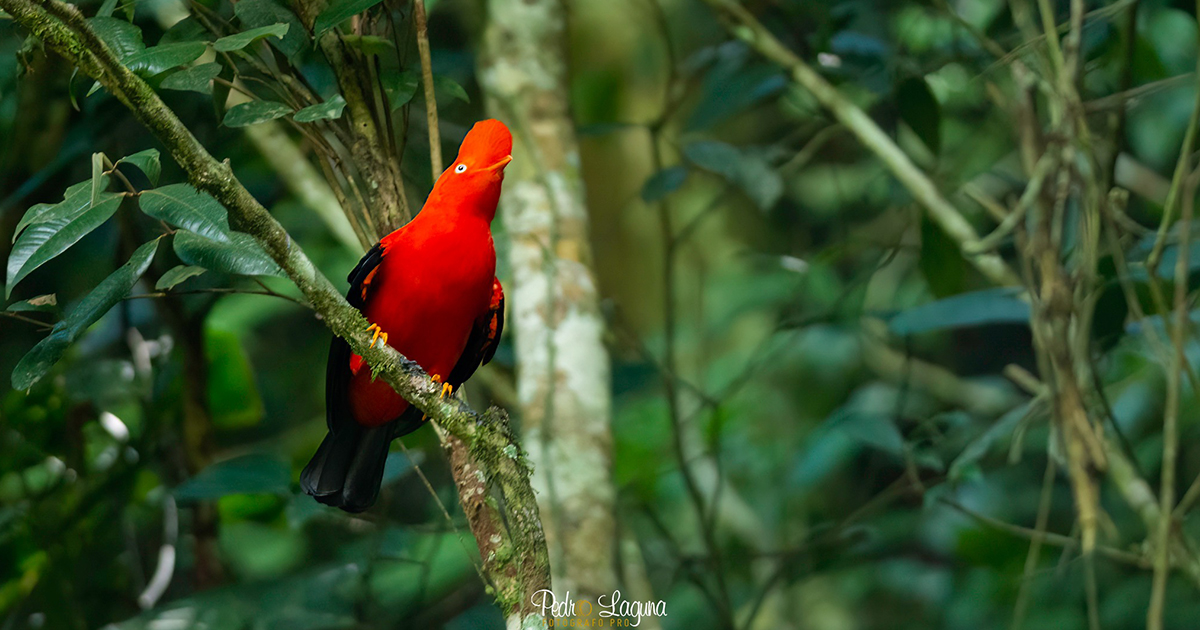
<point x="979" y="308"/>
<point x="198" y="78"/>
<point x="248" y="474"/>
<point x="329" y="110"/>
<point x="161" y="58"/>
<point x="255" y="112"/>
<point x="148" y="162"/>
<point x="233" y="397"/>
<point x="338" y="11"/>
<point x="241" y="255"/>
<point x="239" y="41"/>
<point x="177" y="275"/>
<point x="56" y="230"/>
<point x="34" y="365"/>
<point x="185" y="207"/>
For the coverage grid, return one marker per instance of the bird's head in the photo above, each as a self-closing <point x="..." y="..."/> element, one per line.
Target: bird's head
<point x="476" y="174"/>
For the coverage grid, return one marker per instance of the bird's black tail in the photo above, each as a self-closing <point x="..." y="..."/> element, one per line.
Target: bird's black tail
<point x="347" y="469"/>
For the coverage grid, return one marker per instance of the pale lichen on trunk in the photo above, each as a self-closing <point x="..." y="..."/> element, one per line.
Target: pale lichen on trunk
<point x="563" y="379"/>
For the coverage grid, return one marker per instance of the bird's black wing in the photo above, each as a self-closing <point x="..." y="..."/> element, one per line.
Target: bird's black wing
<point x="337" y="369"/>
<point x="481" y="344"/>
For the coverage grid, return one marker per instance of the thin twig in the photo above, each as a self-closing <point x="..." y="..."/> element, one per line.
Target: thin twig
<point x="431" y="113"/>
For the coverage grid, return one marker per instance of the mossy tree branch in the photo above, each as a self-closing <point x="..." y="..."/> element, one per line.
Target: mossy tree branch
<point x="515" y="554"/>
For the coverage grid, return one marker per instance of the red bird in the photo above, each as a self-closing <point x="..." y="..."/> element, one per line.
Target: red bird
<point x="430" y="290"/>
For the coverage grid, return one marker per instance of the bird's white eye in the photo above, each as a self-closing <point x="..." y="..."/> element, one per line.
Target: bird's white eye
<point x="460" y="168"/>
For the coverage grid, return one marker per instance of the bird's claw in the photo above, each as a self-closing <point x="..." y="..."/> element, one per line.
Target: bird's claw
<point x="379" y="334"/>
<point x="447" y="388"/>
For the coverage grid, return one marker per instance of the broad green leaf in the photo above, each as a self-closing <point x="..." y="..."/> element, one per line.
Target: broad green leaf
<point x="48" y="302"/>
<point x="177" y="275"/>
<point x="56" y="231"/>
<point x="259" y="13"/>
<point x="98" y="179"/>
<point x="747" y="170"/>
<point x="247" y="474"/>
<point x="34" y="365"/>
<point x="941" y="261"/>
<point x="400" y="88"/>
<point x="329" y="110"/>
<point x="255" y="112"/>
<point x="990" y="306"/>
<point x="451" y="87"/>
<point x="123" y="38"/>
<point x="161" y="58"/>
<point x="37" y="212"/>
<point x="185" y="207"/>
<point x="198" y="78"/>
<point x="338" y="11"/>
<point x="241" y="255"/>
<point x="731" y="87"/>
<point x="920" y="111"/>
<point x="189" y="29"/>
<point x="233" y="397"/>
<point x="369" y="44"/>
<point x="663" y="183"/>
<point x="239" y="41"/>
<point x="148" y="162"/>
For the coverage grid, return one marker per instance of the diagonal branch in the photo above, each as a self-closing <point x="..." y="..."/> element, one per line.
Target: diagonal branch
<point x="515" y="556"/>
<point x="744" y="26"/>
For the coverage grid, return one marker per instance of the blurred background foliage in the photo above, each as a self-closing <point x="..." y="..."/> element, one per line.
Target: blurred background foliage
<point x="843" y="362"/>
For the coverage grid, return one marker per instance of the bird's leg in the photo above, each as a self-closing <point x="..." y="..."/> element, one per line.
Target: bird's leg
<point x="379" y="334"/>
<point x="447" y="388"/>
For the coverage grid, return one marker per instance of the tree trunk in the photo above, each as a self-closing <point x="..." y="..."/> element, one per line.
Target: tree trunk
<point x="563" y="380"/>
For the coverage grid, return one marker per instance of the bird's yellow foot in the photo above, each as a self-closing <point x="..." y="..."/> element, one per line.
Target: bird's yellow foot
<point x="379" y="334"/>
<point x="447" y="388"/>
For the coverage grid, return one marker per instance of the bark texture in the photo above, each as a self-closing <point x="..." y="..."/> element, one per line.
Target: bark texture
<point x="563" y="372"/>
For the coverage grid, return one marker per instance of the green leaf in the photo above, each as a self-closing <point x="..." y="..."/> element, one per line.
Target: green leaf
<point x="941" y="261"/>
<point x="369" y="44"/>
<point x="400" y="88"/>
<point x="177" y="275"/>
<point x="198" y="78"/>
<point x="48" y="302"/>
<point x="247" y="474"/>
<point x="338" y="11"/>
<point x="663" y="183"/>
<point x="189" y="29"/>
<point x="241" y="255"/>
<point x="920" y="111"/>
<point x="233" y="397"/>
<point x="451" y="87"/>
<point x="34" y="365"/>
<point x="161" y="58"/>
<point x="123" y="38"/>
<point x="56" y="230"/>
<point x="259" y="13"/>
<point x="239" y="41"/>
<point x="38" y="212"/>
<point x="98" y="179"/>
<point x="185" y="207"/>
<point x="255" y="112"/>
<point x="148" y="162"/>
<point x="978" y="308"/>
<point x="329" y="110"/>
<point x="748" y="171"/>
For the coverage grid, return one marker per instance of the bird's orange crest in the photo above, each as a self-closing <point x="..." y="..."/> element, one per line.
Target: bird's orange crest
<point x="488" y="142"/>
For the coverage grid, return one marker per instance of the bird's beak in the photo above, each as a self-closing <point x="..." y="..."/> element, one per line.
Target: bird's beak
<point x="501" y="164"/>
